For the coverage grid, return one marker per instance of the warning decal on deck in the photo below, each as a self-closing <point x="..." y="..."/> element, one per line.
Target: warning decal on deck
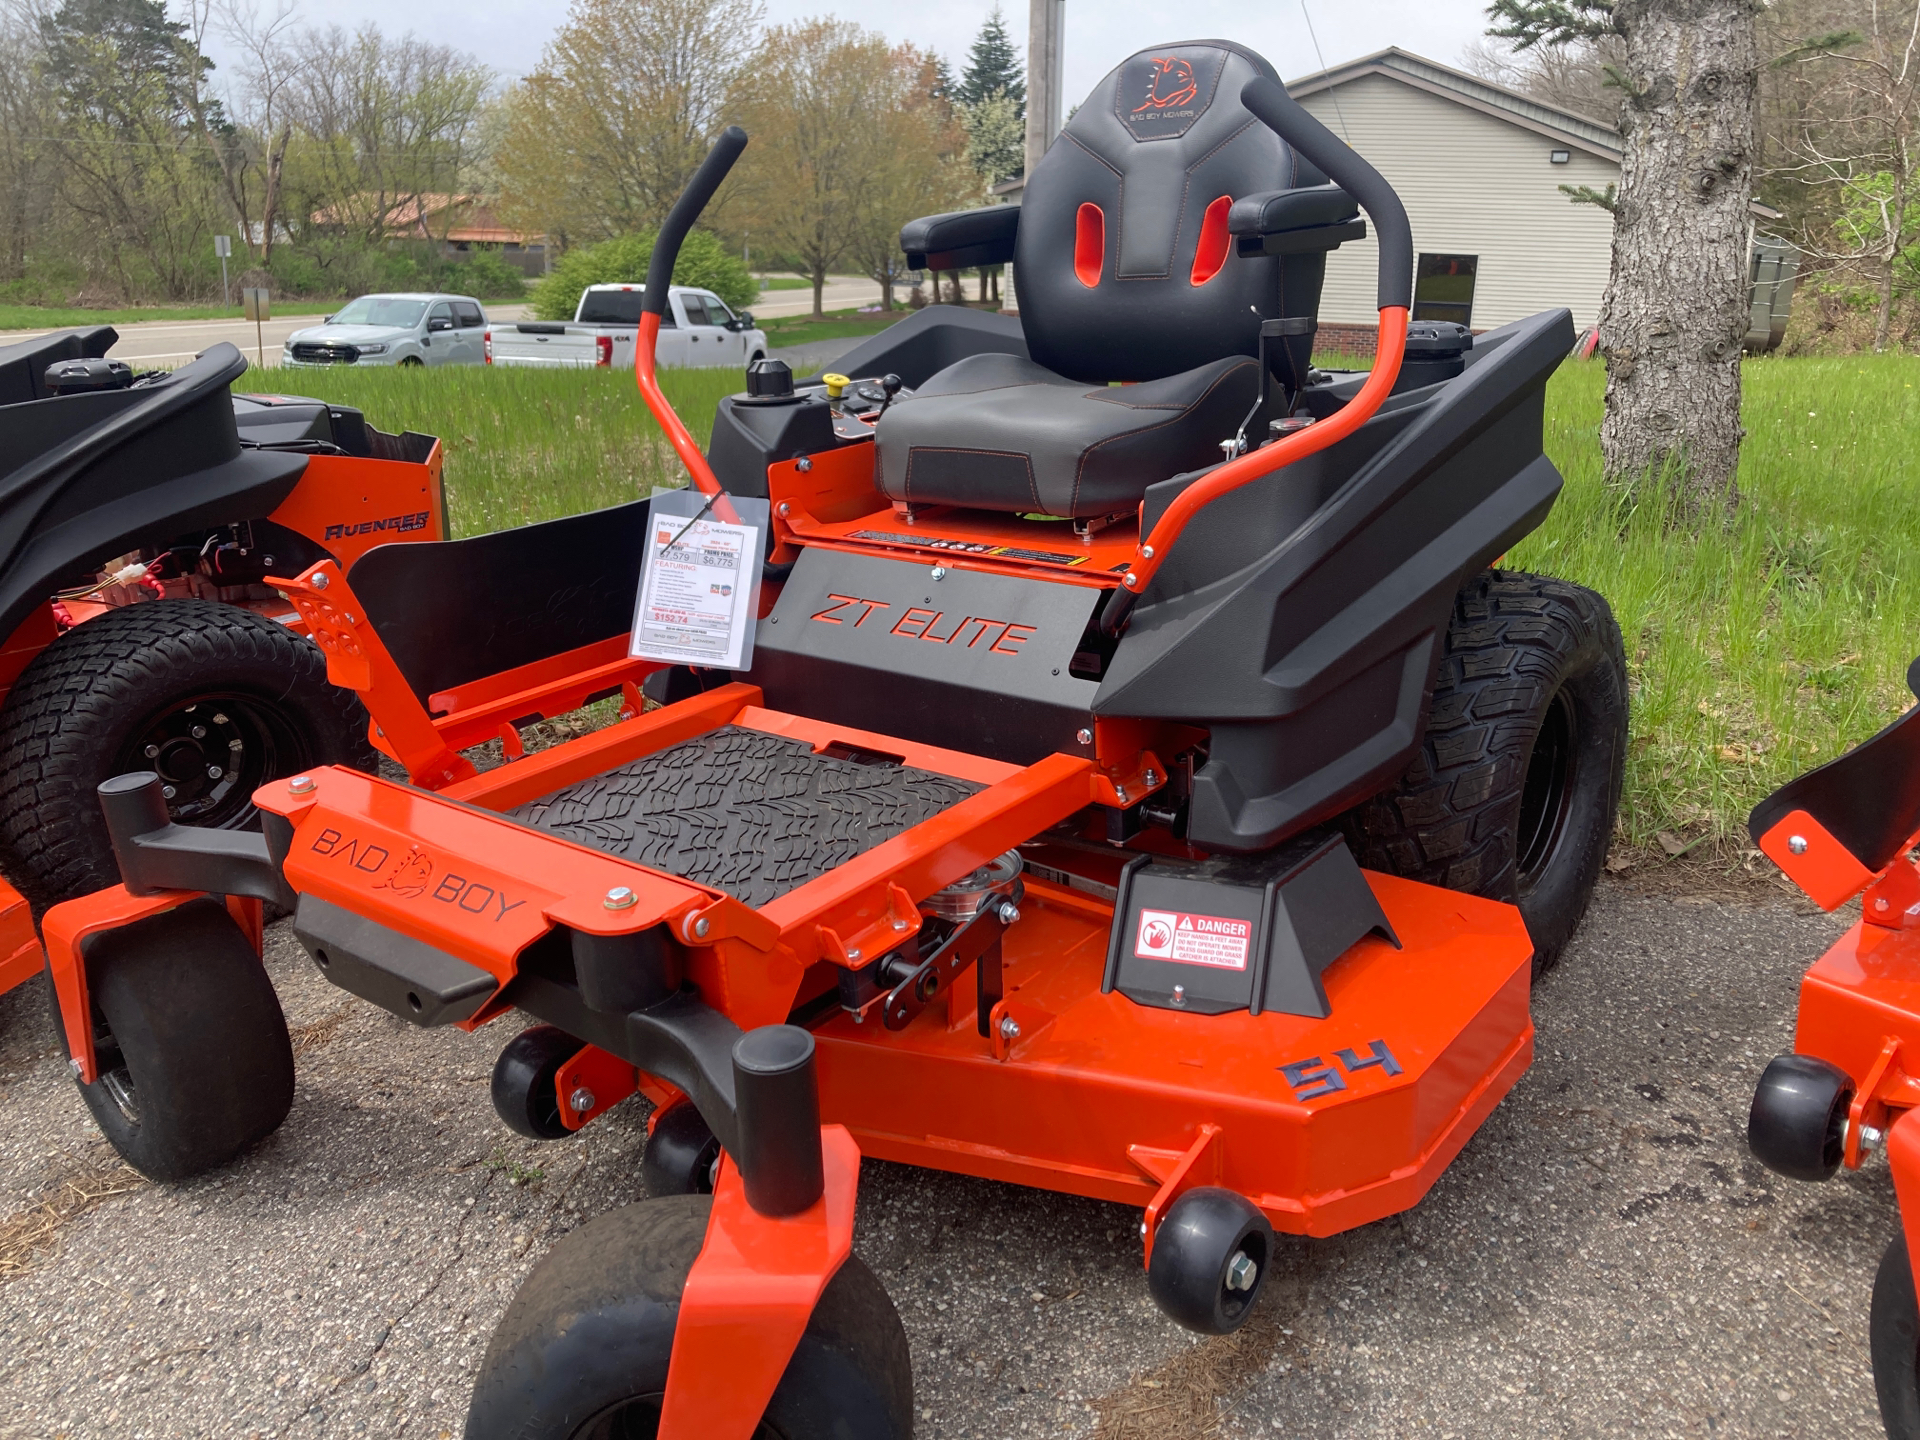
<point x="1218" y="941"/>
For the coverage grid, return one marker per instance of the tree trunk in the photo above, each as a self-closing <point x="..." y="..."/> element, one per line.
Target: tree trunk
<point x="819" y="284"/>
<point x="886" y="287"/>
<point x="1676" y="302"/>
<point x="270" y="205"/>
<point x="1883" y="315"/>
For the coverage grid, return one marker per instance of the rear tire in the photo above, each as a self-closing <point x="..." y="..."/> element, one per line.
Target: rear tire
<point x="1893" y="1337"/>
<point x="147" y="677"/>
<point x="194" y="1058"/>
<point x="582" y="1352"/>
<point x="1514" y="792"/>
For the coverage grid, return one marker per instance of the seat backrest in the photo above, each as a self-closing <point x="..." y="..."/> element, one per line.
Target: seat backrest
<point x="1123" y="262"/>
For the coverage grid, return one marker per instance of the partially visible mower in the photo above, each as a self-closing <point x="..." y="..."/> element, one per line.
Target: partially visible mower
<point x="1024" y="849"/>
<point x="1852" y="1084"/>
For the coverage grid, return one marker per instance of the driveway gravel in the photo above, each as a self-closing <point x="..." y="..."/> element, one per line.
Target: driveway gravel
<point x="1602" y="1259"/>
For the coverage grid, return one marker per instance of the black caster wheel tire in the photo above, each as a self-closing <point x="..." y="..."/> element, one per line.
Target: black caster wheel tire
<point x="1893" y="1337"/>
<point x="1199" y="1274"/>
<point x="523" y="1081"/>
<point x="1515" y="788"/>
<point x="582" y="1352"/>
<point x="1797" y="1126"/>
<point x="680" y="1154"/>
<point x="214" y="699"/>
<point x="195" y="1062"/>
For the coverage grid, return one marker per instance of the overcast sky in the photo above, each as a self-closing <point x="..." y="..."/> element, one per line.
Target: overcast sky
<point x="509" y="34"/>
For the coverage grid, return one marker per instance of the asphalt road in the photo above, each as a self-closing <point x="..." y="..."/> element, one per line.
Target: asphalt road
<point x="1602" y="1260"/>
<point x="173" y="342"/>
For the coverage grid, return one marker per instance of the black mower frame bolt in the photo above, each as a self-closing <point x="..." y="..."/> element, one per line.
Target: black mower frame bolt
<point x="302" y="785"/>
<point x="1797" y="844"/>
<point x="620" y="897"/>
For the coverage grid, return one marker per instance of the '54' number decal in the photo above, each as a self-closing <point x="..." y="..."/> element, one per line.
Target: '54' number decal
<point x="1311" y="1078"/>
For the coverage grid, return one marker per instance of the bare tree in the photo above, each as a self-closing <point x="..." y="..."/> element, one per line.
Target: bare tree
<point x="1676" y="301"/>
<point x="626" y="100"/>
<point x="269" y="64"/>
<point x="27" y="160"/>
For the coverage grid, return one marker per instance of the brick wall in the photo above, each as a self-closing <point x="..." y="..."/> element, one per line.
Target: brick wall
<point x="1351" y="340"/>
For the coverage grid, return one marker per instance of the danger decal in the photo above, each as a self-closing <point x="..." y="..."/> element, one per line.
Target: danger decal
<point x="1219" y="942"/>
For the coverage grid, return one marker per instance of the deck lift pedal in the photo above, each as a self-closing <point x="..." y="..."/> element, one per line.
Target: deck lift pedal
<point x="1019" y="852"/>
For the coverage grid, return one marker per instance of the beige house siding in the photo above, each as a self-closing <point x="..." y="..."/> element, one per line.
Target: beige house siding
<point x="1473" y="184"/>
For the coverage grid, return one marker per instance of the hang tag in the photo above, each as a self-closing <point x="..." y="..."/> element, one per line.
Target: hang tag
<point x="700" y="582"/>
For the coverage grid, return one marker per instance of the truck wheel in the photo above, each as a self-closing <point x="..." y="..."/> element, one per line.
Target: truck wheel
<point x="582" y="1352"/>
<point x="1515" y="789"/>
<point x="216" y="699"/>
<point x="1893" y="1338"/>
<point x="195" y="1063"/>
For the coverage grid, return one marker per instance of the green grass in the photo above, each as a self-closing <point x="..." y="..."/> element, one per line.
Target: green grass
<point x="837" y="325"/>
<point x="522" y="445"/>
<point x="1756" y="649"/>
<point x="1764" y="646"/>
<point x="785" y="282"/>
<point x="44" y="317"/>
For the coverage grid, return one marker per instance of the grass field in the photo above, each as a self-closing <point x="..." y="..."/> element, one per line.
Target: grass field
<point x="836" y="325"/>
<point x="1756" y="649"/>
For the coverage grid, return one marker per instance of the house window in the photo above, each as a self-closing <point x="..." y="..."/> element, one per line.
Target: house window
<point x="1443" y="288"/>
<point x="1560" y="157"/>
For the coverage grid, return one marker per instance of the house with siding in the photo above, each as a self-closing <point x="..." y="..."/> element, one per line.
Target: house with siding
<point x="1479" y="168"/>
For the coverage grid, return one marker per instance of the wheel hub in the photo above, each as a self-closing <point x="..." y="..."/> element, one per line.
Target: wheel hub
<point x="210" y="753"/>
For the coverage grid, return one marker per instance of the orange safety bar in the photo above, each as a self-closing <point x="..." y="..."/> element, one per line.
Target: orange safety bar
<point x="1388" y="351"/>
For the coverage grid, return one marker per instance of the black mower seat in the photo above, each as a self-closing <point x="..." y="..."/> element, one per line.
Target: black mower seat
<point x="999" y="432"/>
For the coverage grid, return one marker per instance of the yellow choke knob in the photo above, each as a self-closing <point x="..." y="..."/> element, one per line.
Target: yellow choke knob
<point x="835" y="384"/>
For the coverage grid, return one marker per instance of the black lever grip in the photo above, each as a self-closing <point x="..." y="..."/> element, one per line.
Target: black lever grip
<point x="1282" y="114"/>
<point x="686" y="210"/>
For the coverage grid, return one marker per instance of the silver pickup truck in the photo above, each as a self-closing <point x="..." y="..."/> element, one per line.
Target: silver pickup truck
<point x="697" y="329"/>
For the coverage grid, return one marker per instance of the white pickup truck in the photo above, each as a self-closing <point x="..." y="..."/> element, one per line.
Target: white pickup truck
<point x="697" y="329"/>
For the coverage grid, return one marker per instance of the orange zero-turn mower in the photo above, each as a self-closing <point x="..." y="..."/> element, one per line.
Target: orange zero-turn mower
<point x="1031" y="843"/>
<point x="1852" y="1083"/>
<point x="140" y="515"/>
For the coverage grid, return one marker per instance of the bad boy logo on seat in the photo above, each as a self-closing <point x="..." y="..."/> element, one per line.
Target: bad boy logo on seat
<point x="1160" y="96"/>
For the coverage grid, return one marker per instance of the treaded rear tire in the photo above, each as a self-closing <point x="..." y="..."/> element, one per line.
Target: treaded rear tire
<point x="68" y="721"/>
<point x="195" y="1059"/>
<point x="1893" y="1339"/>
<point x="1532" y="683"/>
<point x="591" y="1332"/>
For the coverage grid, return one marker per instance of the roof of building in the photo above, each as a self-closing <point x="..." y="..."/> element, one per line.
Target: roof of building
<point x="419" y="215"/>
<point x="1576" y="131"/>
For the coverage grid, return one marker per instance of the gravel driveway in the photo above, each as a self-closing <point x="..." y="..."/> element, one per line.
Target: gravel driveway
<point x="1603" y="1259"/>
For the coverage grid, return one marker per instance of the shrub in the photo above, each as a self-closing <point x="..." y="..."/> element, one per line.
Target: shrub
<point x="488" y="277"/>
<point x="704" y="262"/>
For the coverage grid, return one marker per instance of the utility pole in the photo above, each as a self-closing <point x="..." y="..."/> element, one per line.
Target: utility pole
<point x="1047" y="21"/>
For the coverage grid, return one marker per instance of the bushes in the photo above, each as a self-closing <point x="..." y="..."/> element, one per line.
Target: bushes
<point x="704" y="262"/>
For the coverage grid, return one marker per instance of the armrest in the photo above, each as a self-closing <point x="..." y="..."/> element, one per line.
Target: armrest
<point x="961" y="239"/>
<point x="1287" y="222"/>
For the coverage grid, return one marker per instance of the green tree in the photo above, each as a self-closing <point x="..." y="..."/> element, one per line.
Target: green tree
<point x="996" y="137"/>
<point x="704" y="263"/>
<point x="993" y="67"/>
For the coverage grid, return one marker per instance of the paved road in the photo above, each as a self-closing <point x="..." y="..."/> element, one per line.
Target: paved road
<point x="172" y="342"/>
<point x="1602" y="1260"/>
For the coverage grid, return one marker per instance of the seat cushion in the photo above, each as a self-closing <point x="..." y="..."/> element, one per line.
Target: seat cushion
<point x="998" y="432"/>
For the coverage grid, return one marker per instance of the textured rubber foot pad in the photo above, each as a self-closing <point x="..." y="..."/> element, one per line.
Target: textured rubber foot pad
<point x="752" y="814"/>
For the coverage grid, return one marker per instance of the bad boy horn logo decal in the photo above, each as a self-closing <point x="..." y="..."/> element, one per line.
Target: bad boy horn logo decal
<point x="1160" y="96"/>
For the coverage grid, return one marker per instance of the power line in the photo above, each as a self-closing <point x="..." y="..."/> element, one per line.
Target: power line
<point x="1332" y="92"/>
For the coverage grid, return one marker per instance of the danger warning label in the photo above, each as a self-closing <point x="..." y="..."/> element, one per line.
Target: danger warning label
<point x="1215" y="940"/>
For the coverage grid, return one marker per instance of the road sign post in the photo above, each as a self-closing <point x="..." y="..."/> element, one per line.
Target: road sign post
<point x="258" y="311"/>
<point x="223" y="247"/>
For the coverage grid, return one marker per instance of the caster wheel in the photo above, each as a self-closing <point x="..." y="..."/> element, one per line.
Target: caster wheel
<point x="195" y="1063"/>
<point x="1893" y="1337"/>
<point x="1210" y="1258"/>
<point x="680" y="1154"/>
<point x="582" y="1352"/>
<point x="1796" y="1126"/>
<point x="523" y="1082"/>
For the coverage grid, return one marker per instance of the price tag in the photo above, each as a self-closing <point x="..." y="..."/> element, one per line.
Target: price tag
<point x="700" y="582"/>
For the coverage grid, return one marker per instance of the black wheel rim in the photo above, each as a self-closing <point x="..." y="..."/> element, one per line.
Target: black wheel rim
<point x="1547" y="796"/>
<point x="639" y="1419"/>
<point x="211" y="752"/>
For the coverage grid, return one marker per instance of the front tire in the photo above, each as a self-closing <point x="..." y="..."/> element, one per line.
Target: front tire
<point x="181" y="687"/>
<point x="1517" y="783"/>
<point x="1893" y="1337"/>
<point x="582" y="1352"/>
<point x="194" y="1058"/>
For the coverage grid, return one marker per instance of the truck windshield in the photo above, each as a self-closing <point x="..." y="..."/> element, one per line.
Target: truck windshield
<point x="384" y="310"/>
<point x="611" y="307"/>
